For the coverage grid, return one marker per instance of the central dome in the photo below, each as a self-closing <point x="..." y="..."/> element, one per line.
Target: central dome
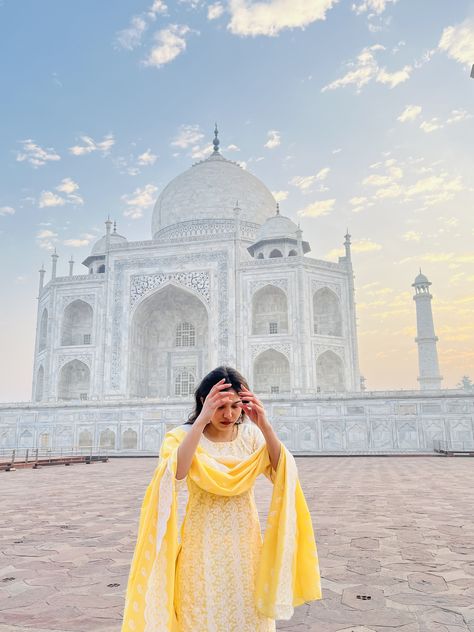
<point x="210" y="190"/>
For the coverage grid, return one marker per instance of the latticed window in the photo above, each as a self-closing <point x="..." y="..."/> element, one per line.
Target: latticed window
<point x="184" y="383"/>
<point x="87" y="339"/>
<point x="274" y="389"/>
<point x="83" y="396"/>
<point x="273" y="328"/>
<point x="185" y="335"/>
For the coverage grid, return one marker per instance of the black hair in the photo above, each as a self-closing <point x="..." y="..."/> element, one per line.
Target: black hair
<point x="231" y="375"/>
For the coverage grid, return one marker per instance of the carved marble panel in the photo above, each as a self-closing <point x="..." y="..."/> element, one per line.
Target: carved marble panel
<point x="284" y="348"/>
<point x="317" y="284"/>
<point x="143" y="284"/>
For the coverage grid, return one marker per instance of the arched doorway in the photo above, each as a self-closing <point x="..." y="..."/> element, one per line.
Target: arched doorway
<point x="327" y="320"/>
<point x="74" y="381"/>
<point x="269" y="311"/>
<point x="77" y="324"/>
<point x="168" y="337"/>
<point x="271" y="372"/>
<point x="330" y="372"/>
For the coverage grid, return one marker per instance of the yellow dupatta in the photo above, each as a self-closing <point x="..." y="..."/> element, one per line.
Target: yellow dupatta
<point x="288" y="571"/>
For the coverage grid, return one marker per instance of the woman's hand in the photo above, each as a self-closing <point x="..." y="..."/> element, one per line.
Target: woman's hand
<point x="216" y="397"/>
<point x="253" y="408"/>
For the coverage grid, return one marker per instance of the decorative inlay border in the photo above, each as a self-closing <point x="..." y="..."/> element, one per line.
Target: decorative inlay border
<point x="319" y="285"/>
<point x="280" y="283"/>
<point x="143" y="284"/>
<point x="284" y="348"/>
<point x="63" y="359"/>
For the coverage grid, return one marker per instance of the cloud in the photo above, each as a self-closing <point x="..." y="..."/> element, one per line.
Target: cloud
<point x="410" y="113"/>
<point x="139" y="200"/>
<point x="372" y="6"/>
<point x="46" y="239"/>
<point x="316" y="209"/>
<point x="214" y="11"/>
<point x="201" y="152"/>
<point x="457" y="116"/>
<point x="359" y="245"/>
<point x="67" y="186"/>
<point x="169" y="43"/>
<point x="232" y="148"/>
<point x="274" y="139"/>
<point x="431" y="126"/>
<point x="146" y="159"/>
<point x="131" y="37"/>
<point x="411" y="235"/>
<point x="36" y="155"/>
<point x="458" y="42"/>
<point x="187" y="136"/>
<point x="80" y="242"/>
<point x="280" y="196"/>
<point x="7" y="210"/>
<point x="304" y="183"/>
<point x="366" y="69"/>
<point x="48" y="199"/>
<point x="90" y="145"/>
<point x="269" y="18"/>
<point x="158" y="6"/>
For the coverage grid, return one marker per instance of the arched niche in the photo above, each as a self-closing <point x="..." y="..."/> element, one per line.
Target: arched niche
<point x="76" y="326"/>
<point x="152" y="439"/>
<point x="85" y="439"/>
<point x="153" y="353"/>
<point x="44" y="441"/>
<point x="26" y="439"/>
<point x="107" y="439"/>
<point x="292" y="253"/>
<point x="330" y="372"/>
<point x="271" y="372"/>
<point x="269" y="311"/>
<point x="327" y="319"/>
<point x="43" y="330"/>
<point x="260" y="255"/>
<point x="64" y="439"/>
<point x="39" y="384"/>
<point x="129" y="439"/>
<point x="275" y="253"/>
<point x="74" y="381"/>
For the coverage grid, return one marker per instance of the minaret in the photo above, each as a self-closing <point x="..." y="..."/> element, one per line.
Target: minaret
<point x="42" y="272"/>
<point x="71" y="266"/>
<point x="54" y="259"/>
<point x="429" y="377"/>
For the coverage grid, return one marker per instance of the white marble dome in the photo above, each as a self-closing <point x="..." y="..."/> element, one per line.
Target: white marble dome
<point x="209" y="190"/>
<point x="277" y="227"/>
<point x="99" y="247"/>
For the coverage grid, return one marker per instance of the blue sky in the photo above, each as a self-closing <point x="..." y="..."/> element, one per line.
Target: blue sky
<point x="355" y="114"/>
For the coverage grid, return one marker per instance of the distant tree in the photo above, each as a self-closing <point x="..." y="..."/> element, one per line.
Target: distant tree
<point x="466" y="384"/>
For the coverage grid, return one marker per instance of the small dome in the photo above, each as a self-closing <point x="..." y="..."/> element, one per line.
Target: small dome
<point x="99" y="247"/>
<point x="421" y="279"/>
<point x="209" y="190"/>
<point x="277" y="227"/>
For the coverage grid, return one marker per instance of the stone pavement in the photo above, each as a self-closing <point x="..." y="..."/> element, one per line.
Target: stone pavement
<point x="395" y="538"/>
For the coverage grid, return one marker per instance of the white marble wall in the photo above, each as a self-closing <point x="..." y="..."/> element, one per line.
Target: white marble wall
<point x="388" y="422"/>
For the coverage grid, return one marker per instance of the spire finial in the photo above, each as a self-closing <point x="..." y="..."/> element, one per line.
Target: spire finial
<point x="278" y="208"/>
<point x="216" y="141"/>
<point x="115" y="227"/>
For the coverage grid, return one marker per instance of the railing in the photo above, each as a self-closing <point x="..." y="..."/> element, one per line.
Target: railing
<point x="453" y="446"/>
<point x="33" y="455"/>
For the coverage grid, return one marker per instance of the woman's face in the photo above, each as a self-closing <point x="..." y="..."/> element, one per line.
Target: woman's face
<point x="226" y="415"/>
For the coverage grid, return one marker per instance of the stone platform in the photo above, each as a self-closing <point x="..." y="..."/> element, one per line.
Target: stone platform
<point x="395" y="538"/>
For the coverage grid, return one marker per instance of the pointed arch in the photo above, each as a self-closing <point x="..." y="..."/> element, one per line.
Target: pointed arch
<point x="43" y="330"/>
<point x="39" y="384"/>
<point x="330" y="372"/>
<point x="275" y="253"/>
<point x="169" y="331"/>
<point x="76" y="326"/>
<point x="327" y="319"/>
<point x="271" y="372"/>
<point x="74" y="381"/>
<point x="269" y="311"/>
<point x="107" y="439"/>
<point x="85" y="439"/>
<point x="129" y="439"/>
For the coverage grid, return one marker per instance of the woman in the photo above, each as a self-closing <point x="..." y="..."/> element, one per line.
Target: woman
<point x="221" y="578"/>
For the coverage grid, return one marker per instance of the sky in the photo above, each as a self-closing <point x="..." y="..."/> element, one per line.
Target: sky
<point x="356" y="114"/>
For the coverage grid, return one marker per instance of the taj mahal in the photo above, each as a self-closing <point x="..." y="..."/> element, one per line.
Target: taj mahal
<point x="226" y="278"/>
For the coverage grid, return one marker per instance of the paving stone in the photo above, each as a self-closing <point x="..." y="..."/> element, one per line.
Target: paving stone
<point x="380" y="524"/>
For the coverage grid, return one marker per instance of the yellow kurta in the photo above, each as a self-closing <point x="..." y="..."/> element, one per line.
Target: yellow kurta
<point x="221" y="544"/>
<point x="168" y="593"/>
